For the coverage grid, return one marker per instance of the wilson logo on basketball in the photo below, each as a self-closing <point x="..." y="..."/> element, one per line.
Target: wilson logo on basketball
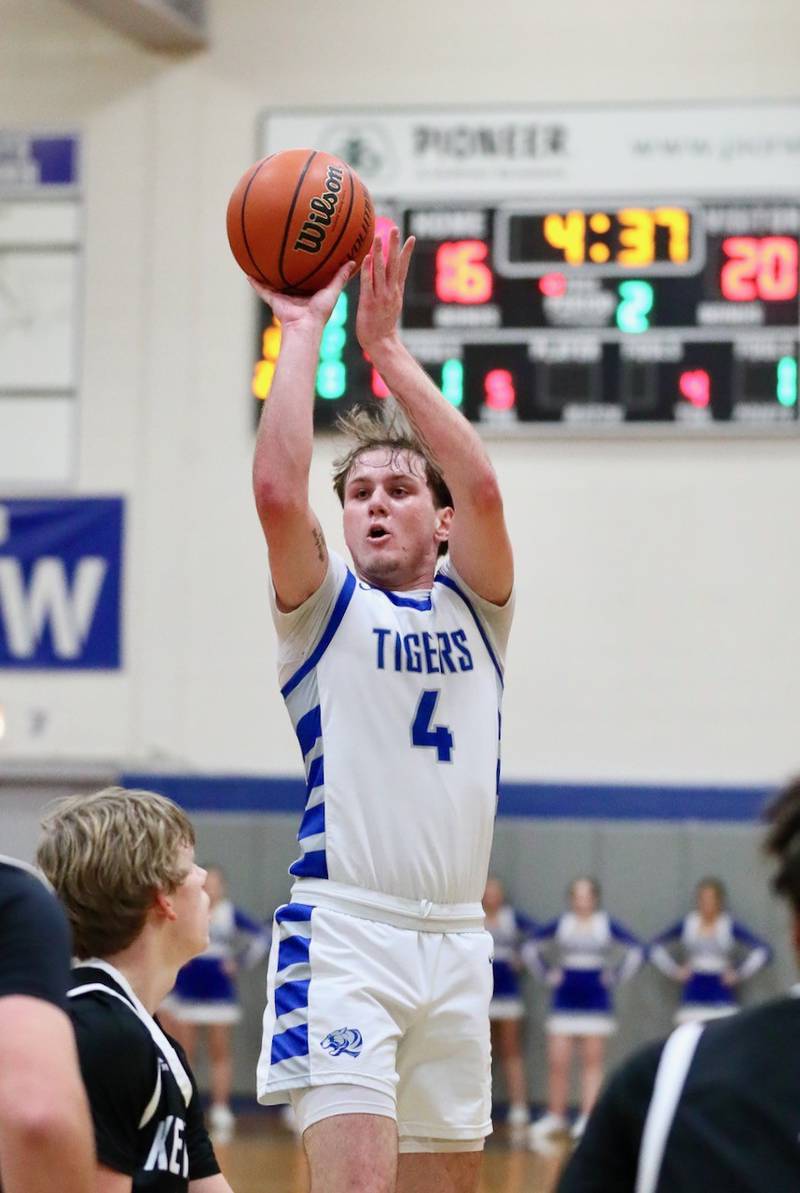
<point x="322" y="208"/>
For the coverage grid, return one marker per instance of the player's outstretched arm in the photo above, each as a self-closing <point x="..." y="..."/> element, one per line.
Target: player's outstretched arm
<point x="298" y="557"/>
<point x="479" y="543"/>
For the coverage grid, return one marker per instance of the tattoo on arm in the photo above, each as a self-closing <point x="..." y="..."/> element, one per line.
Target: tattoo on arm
<point x="319" y="543"/>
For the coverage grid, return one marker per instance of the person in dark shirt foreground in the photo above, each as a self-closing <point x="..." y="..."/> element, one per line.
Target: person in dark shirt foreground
<point x="45" y="1128"/>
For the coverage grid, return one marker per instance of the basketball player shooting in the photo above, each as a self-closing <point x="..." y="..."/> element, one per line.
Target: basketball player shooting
<point x="376" y="1026"/>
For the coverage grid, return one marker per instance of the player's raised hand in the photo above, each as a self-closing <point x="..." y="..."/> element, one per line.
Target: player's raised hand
<point x="312" y="309"/>
<point x="383" y="280"/>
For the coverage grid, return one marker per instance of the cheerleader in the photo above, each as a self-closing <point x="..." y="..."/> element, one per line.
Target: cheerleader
<point x="508" y="929"/>
<point x="589" y="954"/>
<point x="205" y="995"/>
<point x="717" y="954"/>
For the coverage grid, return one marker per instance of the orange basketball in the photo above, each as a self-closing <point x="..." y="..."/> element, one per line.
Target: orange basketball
<point x="296" y="217"/>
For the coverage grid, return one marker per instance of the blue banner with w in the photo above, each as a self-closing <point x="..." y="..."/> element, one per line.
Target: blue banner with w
<point x="61" y="584"/>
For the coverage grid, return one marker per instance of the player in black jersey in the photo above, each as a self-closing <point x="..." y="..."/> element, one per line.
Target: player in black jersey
<point x="123" y="865"/>
<point x="45" y="1129"/>
<point x="714" y="1109"/>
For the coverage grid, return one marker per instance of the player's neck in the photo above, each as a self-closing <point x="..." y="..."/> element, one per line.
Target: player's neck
<point x="420" y="580"/>
<point x="151" y="976"/>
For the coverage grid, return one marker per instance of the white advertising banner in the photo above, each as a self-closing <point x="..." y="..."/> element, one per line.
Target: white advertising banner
<point x="477" y="152"/>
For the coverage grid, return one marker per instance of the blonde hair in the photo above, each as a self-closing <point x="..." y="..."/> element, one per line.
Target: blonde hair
<point x="368" y="430"/>
<point x="106" y="855"/>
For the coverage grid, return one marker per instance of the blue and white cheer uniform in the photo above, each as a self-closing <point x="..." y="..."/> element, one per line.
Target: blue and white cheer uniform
<point x="592" y="954"/>
<point x="509" y="929"/>
<point x="709" y="953"/>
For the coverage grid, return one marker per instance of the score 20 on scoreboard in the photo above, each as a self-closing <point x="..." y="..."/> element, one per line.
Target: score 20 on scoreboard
<point x="578" y="267"/>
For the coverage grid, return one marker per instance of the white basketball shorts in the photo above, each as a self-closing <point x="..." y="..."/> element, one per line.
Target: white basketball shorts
<point x="355" y="1001"/>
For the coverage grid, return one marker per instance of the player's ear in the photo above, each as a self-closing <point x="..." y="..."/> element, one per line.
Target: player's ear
<point x="163" y="906"/>
<point x="444" y="518"/>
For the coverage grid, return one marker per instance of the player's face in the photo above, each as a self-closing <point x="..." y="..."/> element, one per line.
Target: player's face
<point x="391" y="525"/>
<point x="191" y="903"/>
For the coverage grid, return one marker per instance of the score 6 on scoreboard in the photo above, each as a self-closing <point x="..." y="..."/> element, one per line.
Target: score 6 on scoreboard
<point x="586" y="313"/>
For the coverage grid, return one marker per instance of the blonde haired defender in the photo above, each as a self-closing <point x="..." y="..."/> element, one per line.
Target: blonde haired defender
<point x="106" y="854"/>
<point x="123" y="864"/>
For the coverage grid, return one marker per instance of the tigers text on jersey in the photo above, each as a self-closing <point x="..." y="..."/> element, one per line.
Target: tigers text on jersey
<point x="395" y="700"/>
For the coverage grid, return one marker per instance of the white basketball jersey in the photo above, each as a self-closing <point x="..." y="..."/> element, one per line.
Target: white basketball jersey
<point x="395" y="699"/>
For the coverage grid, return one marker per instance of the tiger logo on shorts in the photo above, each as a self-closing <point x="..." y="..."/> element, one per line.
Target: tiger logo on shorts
<point x="345" y="1041"/>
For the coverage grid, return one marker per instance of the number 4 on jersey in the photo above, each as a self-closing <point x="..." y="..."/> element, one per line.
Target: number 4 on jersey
<point x="438" y="737"/>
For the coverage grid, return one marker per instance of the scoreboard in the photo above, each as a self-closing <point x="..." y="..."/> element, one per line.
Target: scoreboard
<point x="532" y="305"/>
